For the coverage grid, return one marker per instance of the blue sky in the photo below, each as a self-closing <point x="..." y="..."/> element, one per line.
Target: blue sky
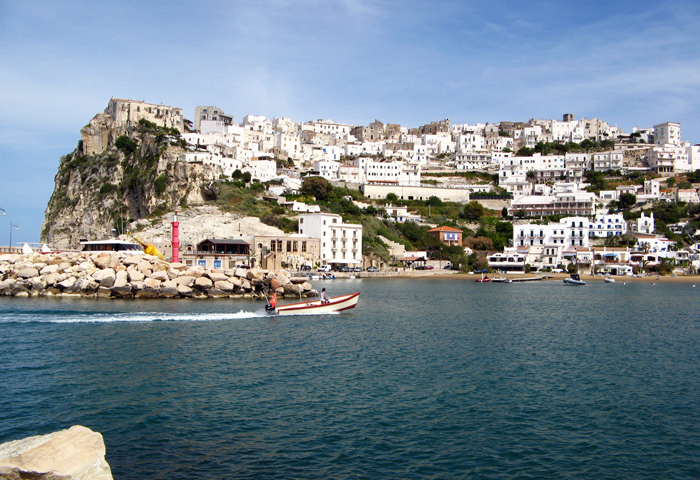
<point x="408" y="62"/>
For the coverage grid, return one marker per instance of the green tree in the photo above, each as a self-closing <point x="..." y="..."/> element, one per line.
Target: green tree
<point x="125" y="144"/>
<point x="626" y="201"/>
<point x="318" y="187"/>
<point x="392" y="198"/>
<point x="434" y="201"/>
<point x="473" y="211"/>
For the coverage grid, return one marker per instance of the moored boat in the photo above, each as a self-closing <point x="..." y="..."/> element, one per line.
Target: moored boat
<point x="482" y="279"/>
<point x="574" y="280"/>
<point x="501" y="280"/>
<point x="334" y="304"/>
<point x="609" y="280"/>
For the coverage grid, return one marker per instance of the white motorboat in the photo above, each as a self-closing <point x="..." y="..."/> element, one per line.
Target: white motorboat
<point x="334" y="304"/>
<point x="575" y="279"/>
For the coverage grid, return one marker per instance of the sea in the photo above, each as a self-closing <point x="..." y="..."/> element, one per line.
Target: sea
<point x="429" y="379"/>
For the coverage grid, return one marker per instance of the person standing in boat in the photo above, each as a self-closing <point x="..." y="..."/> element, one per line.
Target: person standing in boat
<point x="324" y="297"/>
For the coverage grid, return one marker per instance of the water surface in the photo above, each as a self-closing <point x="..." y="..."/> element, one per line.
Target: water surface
<point x="424" y="379"/>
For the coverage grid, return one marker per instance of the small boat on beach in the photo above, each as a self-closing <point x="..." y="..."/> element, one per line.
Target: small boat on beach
<point x="575" y="279"/>
<point x="501" y="280"/>
<point x="334" y="304"/>
<point x="609" y="280"/>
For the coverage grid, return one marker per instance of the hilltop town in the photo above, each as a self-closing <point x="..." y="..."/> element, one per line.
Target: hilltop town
<point x="510" y="196"/>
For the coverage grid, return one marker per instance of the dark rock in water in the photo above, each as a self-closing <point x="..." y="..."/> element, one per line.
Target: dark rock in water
<point x="216" y="293"/>
<point x="147" y="292"/>
<point x="123" y="292"/>
<point x="169" y="292"/>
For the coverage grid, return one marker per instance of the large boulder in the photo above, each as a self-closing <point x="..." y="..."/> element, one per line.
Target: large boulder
<point x="224" y="286"/>
<point x="121" y="292"/>
<point x="86" y="285"/>
<point x="159" y="275"/>
<point x="217" y="277"/>
<point x="203" y="283"/>
<point x="147" y="292"/>
<point x="49" y="269"/>
<point x="106" y="277"/>
<point x="168" y="292"/>
<point x="185" y="280"/>
<point x="184" y="291"/>
<point x="29" y="272"/>
<point x="68" y="283"/>
<point x="134" y="274"/>
<point x="101" y="260"/>
<point x="77" y="453"/>
<point x="122" y="279"/>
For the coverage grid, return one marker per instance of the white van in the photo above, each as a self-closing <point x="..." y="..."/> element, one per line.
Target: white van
<point x="324" y="268"/>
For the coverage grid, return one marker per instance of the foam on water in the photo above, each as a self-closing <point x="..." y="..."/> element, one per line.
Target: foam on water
<point x="131" y="317"/>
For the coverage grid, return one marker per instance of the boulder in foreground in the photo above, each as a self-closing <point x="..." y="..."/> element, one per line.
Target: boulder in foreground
<point x="77" y="453"/>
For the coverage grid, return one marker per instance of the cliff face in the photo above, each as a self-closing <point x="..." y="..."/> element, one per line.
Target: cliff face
<point x="116" y="175"/>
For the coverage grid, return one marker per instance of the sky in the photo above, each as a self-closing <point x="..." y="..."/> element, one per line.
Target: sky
<point x="630" y="63"/>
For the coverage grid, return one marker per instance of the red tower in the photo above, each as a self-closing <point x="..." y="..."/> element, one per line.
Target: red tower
<point x="176" y="239"/>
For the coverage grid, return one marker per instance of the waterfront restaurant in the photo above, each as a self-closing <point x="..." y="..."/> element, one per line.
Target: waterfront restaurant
<point x="219" y="253"/>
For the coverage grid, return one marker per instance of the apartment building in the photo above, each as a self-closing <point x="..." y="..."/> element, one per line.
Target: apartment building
<point x="340" y="243"/>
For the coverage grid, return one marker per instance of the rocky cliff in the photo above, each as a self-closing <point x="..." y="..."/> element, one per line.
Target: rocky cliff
<point x="119" y="174"/>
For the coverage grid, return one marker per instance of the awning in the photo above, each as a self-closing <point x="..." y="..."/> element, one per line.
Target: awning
<point x="342" y="260"/>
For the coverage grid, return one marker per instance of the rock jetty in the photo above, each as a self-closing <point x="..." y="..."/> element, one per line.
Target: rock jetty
<point x="77" y="453"/>
<point x="119" y="275"/>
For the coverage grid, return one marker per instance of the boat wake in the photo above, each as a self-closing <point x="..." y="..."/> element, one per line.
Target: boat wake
<point x="133" y="317"/>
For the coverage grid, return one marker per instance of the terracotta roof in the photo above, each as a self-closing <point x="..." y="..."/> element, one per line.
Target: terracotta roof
<point x="445" y="229"/>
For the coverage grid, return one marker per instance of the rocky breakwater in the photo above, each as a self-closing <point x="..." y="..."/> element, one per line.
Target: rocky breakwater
<point x="117" y="275"/>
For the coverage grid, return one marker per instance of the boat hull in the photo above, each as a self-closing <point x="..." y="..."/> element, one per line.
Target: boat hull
<point x="569" y="281"/>
<point x="335" y="304"/>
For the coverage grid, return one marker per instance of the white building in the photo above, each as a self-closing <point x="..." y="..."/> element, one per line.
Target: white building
<point x="611" y="160"/>
<point x="573" y="231"/>
<point x="608" y="225"/>
<point x="263" y="169"/>
<point x="327" y="169"/>
<point x="473" y="160"/>
<point x="341" y="243"/>
<point x="654" y="243"/>
<point x="561" y="203"/>
<point x="210" y="113"/>
<point x="509" y="261"/>
<point x="644" y="224"/>
<point x="667" y="133"/>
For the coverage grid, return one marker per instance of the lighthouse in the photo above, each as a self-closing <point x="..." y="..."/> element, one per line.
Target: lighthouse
<point x="176" y="239"/>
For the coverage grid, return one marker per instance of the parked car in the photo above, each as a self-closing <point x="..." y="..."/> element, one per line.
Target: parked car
<point x="305" y="268"/>
<point x="429" y="267"/>
<point x="372" y="269"/>
<point x="346" y="269"/>
<point x="420" y="267"/>
<point x="324" y="268"/>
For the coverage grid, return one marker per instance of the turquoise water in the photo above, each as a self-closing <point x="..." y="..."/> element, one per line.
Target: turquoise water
<point x="424" y="379"/>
